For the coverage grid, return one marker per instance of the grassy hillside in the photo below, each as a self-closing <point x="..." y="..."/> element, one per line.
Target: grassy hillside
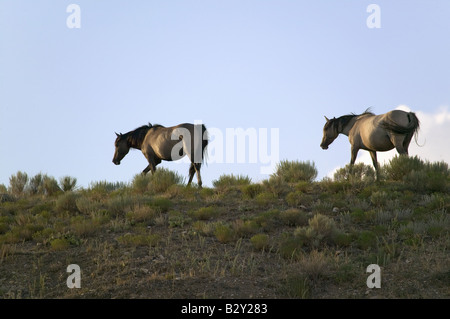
<point x="288" y="237"/>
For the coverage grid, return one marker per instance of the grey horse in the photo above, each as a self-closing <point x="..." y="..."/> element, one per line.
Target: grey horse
<point x="373" y="133"/>
<point x="159" y="143"/>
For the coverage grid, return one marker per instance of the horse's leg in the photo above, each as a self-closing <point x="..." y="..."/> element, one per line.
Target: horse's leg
<point x="195" y="168"/>
<point x="373" y="154"/>
<point x="199" y="178"/>
<point x="150" y="167"/>
<point x="145" y="171"/>
<point x="191" y="173"/>
<point x="406" y="141"/>
<point x="152" y="162"/>
<point x="354" y="153"/>
<point x="398" y="141"/>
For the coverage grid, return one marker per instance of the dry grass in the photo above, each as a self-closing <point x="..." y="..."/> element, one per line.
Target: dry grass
<point x="236" y="241"/>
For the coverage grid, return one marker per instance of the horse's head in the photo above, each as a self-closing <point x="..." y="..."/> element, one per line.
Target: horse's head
<point x="122" y="148"/>
<point x="330" y="132"/>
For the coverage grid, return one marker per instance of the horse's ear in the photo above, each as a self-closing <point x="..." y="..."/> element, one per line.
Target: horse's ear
<point x="118" y="134"/>
<point x="326" y="118"/>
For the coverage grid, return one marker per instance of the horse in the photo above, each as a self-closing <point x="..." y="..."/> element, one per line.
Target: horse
<point x="373" y="133"/>
<point x="159" y="143"/>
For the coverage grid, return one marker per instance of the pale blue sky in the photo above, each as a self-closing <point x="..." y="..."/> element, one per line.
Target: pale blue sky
<point x="229" y="63"/>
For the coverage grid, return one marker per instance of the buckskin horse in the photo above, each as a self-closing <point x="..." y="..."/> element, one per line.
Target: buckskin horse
<point x="159" y="143"/>
<point x="373" y="133"/>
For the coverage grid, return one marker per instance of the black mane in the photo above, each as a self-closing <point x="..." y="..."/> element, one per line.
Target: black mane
<point x="343" y="120"/>
<point x="136" y="137"/>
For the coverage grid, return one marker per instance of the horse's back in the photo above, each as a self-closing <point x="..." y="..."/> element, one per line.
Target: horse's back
<point x="398" y="117"/>
<point x="164" y="141"/>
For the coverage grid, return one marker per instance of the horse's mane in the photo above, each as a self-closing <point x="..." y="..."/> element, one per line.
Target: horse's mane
<point x="366" y="112"/>
<point x="136" y="137"/>
<point x="343" y="120"/>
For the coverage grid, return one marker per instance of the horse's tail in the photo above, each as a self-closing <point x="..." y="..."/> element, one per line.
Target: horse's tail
<point x="411" y="129"/>
<point x="415" y="125"/>
<point x="205" y="141"/>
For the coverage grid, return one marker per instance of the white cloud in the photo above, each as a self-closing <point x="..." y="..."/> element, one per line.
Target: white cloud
<point x="432" y="141"/>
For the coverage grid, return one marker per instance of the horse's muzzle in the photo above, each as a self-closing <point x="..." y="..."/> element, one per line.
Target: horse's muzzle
<point x="325" y="147"/>
<point x="116" y="162"/>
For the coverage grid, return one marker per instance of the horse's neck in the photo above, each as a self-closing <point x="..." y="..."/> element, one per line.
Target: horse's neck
<point x="136" y="138"/>
<point x="345" y="129"/>
<point x="134" y="143"/>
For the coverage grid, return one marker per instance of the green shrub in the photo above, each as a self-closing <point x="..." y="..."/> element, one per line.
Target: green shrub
<point x="342" y="239"/>
<point x="17" y="183"/>
<point x="159" y="182"/>
<point x="67" y="202"/>
<point x="437" y="226"/>
<point x="141" y="213"/>
<point x="163" y="178"/>
<point x="83" y="227"/>
<point x="36" y="184"/>
<point x="4" y="227"/>
<point x="60" y="244"/>
<point x="161" y="203"/>
<point x="294" y="217"/>
<point x="244" y="228"/>
<point x="268" y="219"/>
<point x="68" y="183"/>
<point x="140" y="239"/>
<point x="357" y="173"/>
<point x="204" y="228"/>
<point x="118" y="205"/>
<point x="17" y="234"/>
<point x="314" y="265"/>
<point x="295" y="171"/>
<point x="435" y="177"/>
<point x="260" y="241"/>
<point x="359" y="215"/>
<point x="44" y="235"/>
<point x="366" y="239"/>
<point x="207" y="192"/>
<point x="419" y="175"/>
<point x="252" y="190"/>
<point x="205" y="213"/>
<point x="276" y="185"/>
<point x="178" y="219"/>
<point x="87" y="205"/>
<point x="322" y="225"/>
<point x="265" y="199"/>
<point x="298" y="198"/>
<point x="304" y="186"/>
<point x="104" y="187"/>
<point x="291" y="247"/>
<point x="297" y="286"/>
<point x="51" y="186"/>
<point x="226" y="181"/>
<point x="400" y="166"/>
<point x="320" y="230"/>
<point x="141" y="183"/>
<point x="345" y="273"/>
<point x="379" y="198"/>
<point x="224" y="233"/>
